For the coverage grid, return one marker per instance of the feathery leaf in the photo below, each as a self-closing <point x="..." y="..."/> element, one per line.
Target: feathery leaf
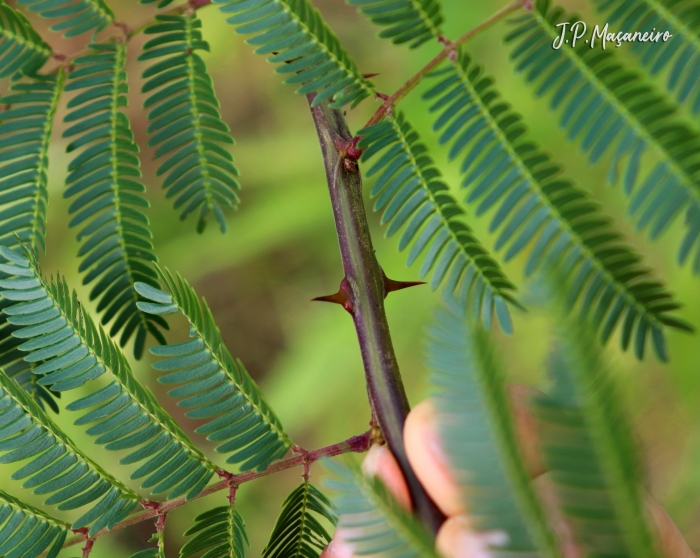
<point x="295" y="34"/>
<point x="411" y="190"/>
<point x="219" y="531"/>
<point x="184" y="121"/>
<point x="416" y="21"/>
<point x="376" y="524"/>
<point x="539" y="206"/>
<point x="588" y="448"/>
<point x="297" y="532"/>
<point x="54" y="465"/>
<point x="680" y="54"/>
<point x="22" y="50"/>
<point x="103" y="180"/>
<point x="74" y="350"/>
<point x="477" y="432"/>
<point x="214" y="385"/>
<point x="27" y="532"/>
<point x="77" y="16"/>
<point x="610" y="109"/>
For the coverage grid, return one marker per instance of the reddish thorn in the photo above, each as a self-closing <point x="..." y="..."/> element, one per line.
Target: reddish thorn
<point x="224" y="474"/>
<point x="352" y="150"/>
<point x="196" y="4"/>
<point x="390" y="285"/>
<point x="367" y="76"/>
<point x="528" y="5"/>
<point x="81" y="531"/>
<point x="59" y="56"/>
<point x="443" y="40"/>
<point x="342" y="297"/>
<point x="150" y="504"/>
<point x="382" y="96"/>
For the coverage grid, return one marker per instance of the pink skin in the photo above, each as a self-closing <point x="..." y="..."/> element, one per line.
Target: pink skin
<point x="456" y="538"/>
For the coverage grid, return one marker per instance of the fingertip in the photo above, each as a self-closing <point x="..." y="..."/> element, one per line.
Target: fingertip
<point x="379" y="462"/>
<point x="428" y="461"/>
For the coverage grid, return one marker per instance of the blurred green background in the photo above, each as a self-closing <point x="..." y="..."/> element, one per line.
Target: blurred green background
<point x="281" y="251"/>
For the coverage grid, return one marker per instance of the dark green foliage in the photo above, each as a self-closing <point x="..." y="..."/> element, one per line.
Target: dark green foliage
<point x="478" y="436"/>
<point x="298" y="533"/>
<point x="214" y="385"/>
<point x="27" y="532"/>
<point x="103" y="180"/>
<point x="52" y="464"/>
<point x="72" y="350"/>
<point x="161" y="3"/>
<point x="294" y="33"/>
<point x="22" y="50"/>
<point x="539" y="206"/>
<point x="185" y="123"/>
<point x="378" y="524"/>
<point x="588" y="448"/>
<point x="680" y="54"/>
<point x="610" y="109"/>
<point x="25" y="132"/>
<point x="414" y="21"/>
<point x="413" y="194"/>
<point x="77" y="16"/>
<point x="220" y="531"/>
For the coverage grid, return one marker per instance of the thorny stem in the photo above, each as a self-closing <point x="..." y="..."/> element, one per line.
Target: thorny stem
<point x="450" y="48"/>
<point x="357" y="444"/>
<point x="362" y="294"/>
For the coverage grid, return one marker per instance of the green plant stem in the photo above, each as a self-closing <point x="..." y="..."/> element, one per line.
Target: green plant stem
<point x="357" y="444"/>
<point x="450" y="47"/>
<point x="362" y="294"/>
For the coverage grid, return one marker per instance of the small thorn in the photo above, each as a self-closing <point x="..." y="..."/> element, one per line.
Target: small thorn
<point x="150" y="504"/>
<point x="390" y="285"/>
<point x="382" y="96"/>
<point x="368" y="76"/>
<point x="342" y="297"/>
<point x="444" y="40"/>
<point x="528" y="5"/>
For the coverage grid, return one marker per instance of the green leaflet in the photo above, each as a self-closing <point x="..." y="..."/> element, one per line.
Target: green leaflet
<point x="55" y="465"/>
<point x="294" y="31"/>
<point x="589" y="450"/>
<point x="610" y="109"/>
<point x="410" y="189"/>
<point x="297" y="532"/>
<point x="77" y="16"/>
<point x="214" y="385"/>
<point x="478" y="436"/>
<point x="25" y="133"/>
<point x="161" y="3"/>
<point x="680" y="55"/>
<point x="23" y="50"/>
<point x="184" y="121"/>
<point x="380" y="526"/>
<point x="107" y="196"/>
<point x="537" y="206"/>
<point x="219" y="531"/>
<point x="72" y="350"/>
<point x="27" y="532"/>
<point x="414" y="21"/>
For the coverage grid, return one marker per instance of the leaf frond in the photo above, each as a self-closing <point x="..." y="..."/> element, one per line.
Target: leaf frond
<point x="679" y="56"/>
<point x="406" y="21"/>
<point x="77" y="16"/>
<point x="184" y="121"/>
<point x="24" y="51"/>
<point x="413" y="195"/>
<point x="214" y="385"/>
<point x="297" y="532"/>
<point x="53" y="463"/>
<point x="220" y="532"/>
<point x="588" y="448"/>
<point x="73" y="350"/>
<point x="295" y="34"/>
<point x="537" y="205"/>
<point x="108" y="199"/>
<point x="28" y="532"/>
<point x="610" y="109"/>
<point x="477" y="432"/>
<point x="371" y="518"/>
